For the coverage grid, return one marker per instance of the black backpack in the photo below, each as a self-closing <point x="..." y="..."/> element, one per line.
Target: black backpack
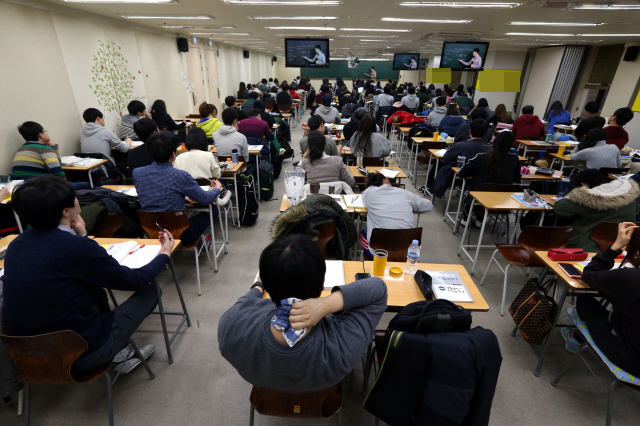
<point x="267" y="180"/>
<point x="418" y="132"/>
<point x="430" y="316"/>
<point x="247" y="202"/>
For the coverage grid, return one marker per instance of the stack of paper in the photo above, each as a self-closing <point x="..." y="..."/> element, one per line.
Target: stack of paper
<point x="338" y="199"/>
<point x="441" y="152"/>
<point x="137" y="143"/>
<point x="255" y="147"/>
<point x="72" y="160"/>
<point x="131" y="255"/>
<point x="389" y="174"/>
<point x="354" y="201"/>
<point x="128" y="191"/>
<point x="334" y="276"/>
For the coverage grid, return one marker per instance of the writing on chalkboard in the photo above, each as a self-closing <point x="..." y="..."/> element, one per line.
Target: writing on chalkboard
<point x="306" y="53"/>
<point x="454" y="52"/>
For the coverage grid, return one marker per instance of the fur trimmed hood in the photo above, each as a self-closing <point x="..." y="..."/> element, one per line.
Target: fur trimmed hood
<point x="608" y="196"/>
<point x="287" y="219"/>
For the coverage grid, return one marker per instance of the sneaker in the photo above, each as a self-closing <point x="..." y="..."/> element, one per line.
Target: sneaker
<point x="124" y="355"/>
<point x="572" y="315"/>
<point x="422" y="189"/>
<point x="570" y="335"/>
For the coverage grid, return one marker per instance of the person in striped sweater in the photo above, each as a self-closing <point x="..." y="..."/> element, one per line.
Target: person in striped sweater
<point x="137" y="110"/>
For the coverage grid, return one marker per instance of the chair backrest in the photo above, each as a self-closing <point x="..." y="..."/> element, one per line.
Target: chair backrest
<point x="497" y="187"/>
<point x="373" y="161"/>
<point x="300" y="404"/>
<point x="327" y="232"/>
<point x="605" y="234"/>
<point x="395" y="241"/>
<point x="426" y="146"/>
<point x="46" y="358"/>
<point x="543" y="238"/>
<point x="108" y="224"/>
<point x="284" y="108"/>
<point x="175" y="221"/>
<point x="340" y="187"/>
<point x="605" y="171"/>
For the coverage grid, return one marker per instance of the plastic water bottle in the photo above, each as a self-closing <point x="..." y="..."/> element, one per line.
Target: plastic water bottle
<point x="547" y="137"/>
<point x="413" y="257"/>
<point x="563" y="187"/>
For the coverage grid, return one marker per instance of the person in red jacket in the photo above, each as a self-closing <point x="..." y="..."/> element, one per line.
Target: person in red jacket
<point x="617" y="135"/>
<point x="527" y="126"/>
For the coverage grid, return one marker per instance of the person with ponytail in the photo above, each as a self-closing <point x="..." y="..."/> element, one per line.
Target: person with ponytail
<point x="594" y="150"/>
<point x="322" y="167"/>
<point x="367" y="141"/>
<point x="208" y="122"/>
<point x="389" y="207"/>
<point x="557" y="114"/>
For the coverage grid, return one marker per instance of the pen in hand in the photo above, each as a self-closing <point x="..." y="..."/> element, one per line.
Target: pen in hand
<point x="162" y="230"/>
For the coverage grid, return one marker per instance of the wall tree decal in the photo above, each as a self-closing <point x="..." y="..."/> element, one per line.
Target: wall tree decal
<point x="113" y="83"/>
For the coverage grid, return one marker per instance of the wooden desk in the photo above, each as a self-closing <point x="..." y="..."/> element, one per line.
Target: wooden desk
<point x="284" y="204"/>
<point x="140" y="241"/>
<point x="404" y="290"/>
<point x="564" y="128"/>
<point x="538" y="176"/>
<point x="501" y="201"/>
<point x="85" y="169"/>
<point x="417" y="142"/>
<point x="372" y="169"/>
<point x="5" y="243"/>
<point x="533" y="144"/>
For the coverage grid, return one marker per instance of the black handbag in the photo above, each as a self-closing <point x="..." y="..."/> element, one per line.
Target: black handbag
<point x="424" y="282"/>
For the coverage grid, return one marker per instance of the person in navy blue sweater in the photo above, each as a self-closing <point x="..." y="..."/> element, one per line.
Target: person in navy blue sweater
<point x="55" y="276"/>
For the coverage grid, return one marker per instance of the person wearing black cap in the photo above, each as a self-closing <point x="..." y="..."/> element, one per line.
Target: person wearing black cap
<point x="328" y="113"/>
<point x="264" y="115"/>
<point x="317" y="123"/>
<point x="352" y="126"/>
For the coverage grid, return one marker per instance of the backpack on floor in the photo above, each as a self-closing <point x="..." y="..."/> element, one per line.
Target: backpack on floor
<point x="267" y="180"/>
<point x="430" y="316"/>
<point x="247" y="203"/>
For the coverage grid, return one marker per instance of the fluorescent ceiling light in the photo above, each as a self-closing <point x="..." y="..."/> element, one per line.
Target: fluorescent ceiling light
<point x="302" y="28"/>
<point x="286" y="3"/>
<point x="574" y="35"/>
<point x="201" y="17"/>
<point x="541" y="34"/>
<point x="222" y="34"/>
<point x="197" y="27"/>
<point x="395" y="41"/>
<point x="388" y="54"/>
<point x="120" y="1"/>
<point x="298" y="18"/>
<point x="563" y="24"/>
<point x="608" y="35"/>
<point x="375" y="29"/>
<point x="376" y="36"/>
<point x="480" y="5"/>
<point x="603" y="6"/>
<point x="435" y="21"/>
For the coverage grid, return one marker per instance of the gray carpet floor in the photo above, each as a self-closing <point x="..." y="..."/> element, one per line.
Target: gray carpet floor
<point x="202" y="388"/>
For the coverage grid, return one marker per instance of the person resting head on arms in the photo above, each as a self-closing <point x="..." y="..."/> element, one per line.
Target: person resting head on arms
<point x="293" y="341"/>
<point x="322" y="167"/>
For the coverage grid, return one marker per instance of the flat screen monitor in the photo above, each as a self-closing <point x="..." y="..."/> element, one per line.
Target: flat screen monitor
<point x="306" y="52"/>
<point x="460" y="55"/>
<point x="406" y="61"/>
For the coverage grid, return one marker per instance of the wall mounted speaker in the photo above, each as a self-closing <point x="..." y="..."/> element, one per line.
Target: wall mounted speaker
<point x="631" y="54"/>
<point x="275" y="59"/>
<point x="183" y="44"/>
<point x="246" y="54"/>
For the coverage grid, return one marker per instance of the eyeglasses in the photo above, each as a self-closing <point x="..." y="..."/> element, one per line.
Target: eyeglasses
<point x="44" y="131"/>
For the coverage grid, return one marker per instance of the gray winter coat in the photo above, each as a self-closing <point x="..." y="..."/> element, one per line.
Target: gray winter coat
<point x="328" y="113"/>
<point x="436" y="116"/>
<point x="95" y="138"/>
<point x="411" y="101"/>
<point x="228" y="138"/>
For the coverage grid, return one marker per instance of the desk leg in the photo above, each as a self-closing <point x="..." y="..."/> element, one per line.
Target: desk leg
<point x="455" y="227"/>
<point x="519" y="215"/>
<point x="235" y="187"/>
<point x="542" y="213"/>
<point x="415" y="165"/>
<point x="163" y="322"/>
<point x="428" y="172"/>
<point x="435" y="173"/>
<point x="90" y="180"/>
<point x="258" y="180"/>
<point x="18" y="221"/>
<point x="466" y="228"/>
<point x="542" y="356"/>
<point x="213" y="241"/>
<point x="524" y="154"/>
<point x="484" y="224"/>
<point x="445" y="210"/>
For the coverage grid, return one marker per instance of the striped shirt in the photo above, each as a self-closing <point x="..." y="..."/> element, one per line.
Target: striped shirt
<point x="126" y="131"/>
<point x="35" y="159"/>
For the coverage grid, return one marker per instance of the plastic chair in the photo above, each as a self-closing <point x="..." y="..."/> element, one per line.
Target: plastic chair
<point x="621" y="376"/>
<point x="176" y="222"/>
<point x="394" y="241"/>
<point x="522" y="254"/>
<point x="48" y="358"/>
<point x="296" y="404"/>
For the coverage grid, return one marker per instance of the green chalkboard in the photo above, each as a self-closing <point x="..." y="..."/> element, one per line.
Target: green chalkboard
<point x="384" y="70"/>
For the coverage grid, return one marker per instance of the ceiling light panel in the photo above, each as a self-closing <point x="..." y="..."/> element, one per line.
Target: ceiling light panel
<point x="223" y="34"/>
<point x="432" y="21"/>
<point x="478" y="5"/>
<point x="199" y="17"/>
<point x="297" y="18"/>
<point x="123" y="1"/>
<point x="302" y="28"/>
<point x="375" y="30"/>
<point x="560" y="24"/>
<point x="196" y="27"/>
<point x="285" y="2"/>
<point x="610" y="6"/>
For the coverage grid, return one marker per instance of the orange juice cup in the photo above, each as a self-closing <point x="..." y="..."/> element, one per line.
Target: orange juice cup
<point x="379" y="262"/>
<point x="561" y="150"/>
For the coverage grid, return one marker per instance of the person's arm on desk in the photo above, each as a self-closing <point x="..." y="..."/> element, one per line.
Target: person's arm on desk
<point x="191" y="189"/>
<point x="472" y="167"/>
<point x="451" y="155"/>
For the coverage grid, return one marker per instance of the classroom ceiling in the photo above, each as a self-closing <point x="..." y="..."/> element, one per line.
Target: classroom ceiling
<point x="609" y="26"/>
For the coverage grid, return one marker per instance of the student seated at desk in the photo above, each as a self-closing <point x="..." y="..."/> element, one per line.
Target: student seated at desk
<point x="399" y="95"/>
<point x="411" y="100"/>
<point x="320" y="166"/>
<point x="592" y="202"/>
<point x="264" y="115"/>
<point x="501" y="116"/>
<point x="292" y="341"/>
<point x="385" y="99"/>
<point x="209" y="121"/>
<point x="593" y="120"/>
<point x="55" y="277"/>
<point x="227" y="138"/>
<point x="389" y="208"/>
<point x="527" y="126"/>
<point x="616" y="134"/>
<point x="140" y="156"/>
<point x="230" y="102"/>
<point x="451" y="122"/>
<point x="615" y="331"/>
<point x="435" y="117"/>
<point x="498" y="165"/>
<point x="557" y="114"/>
<point x="484" y="104"/>
<point x="255" y="127"/>
<point x="39" y="155"/>
<point x="96" y="138"/>
<point x="137" y="110"/>
<point x="462" y="135"/>
<point x="198" y="161"/>
<point x="243" y="93"/>
<point x="163" y="119"/>
<point x="317" y="123"/>
<point x="328" y="113"/>
<point x="247" y="105"/>
<point x="464" y="100"/>
<point x="367" y="141"/>
<point x="162" y="187"/>
<point x="594" y="150"/>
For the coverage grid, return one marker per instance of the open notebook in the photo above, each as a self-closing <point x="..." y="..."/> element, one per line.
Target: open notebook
<point x="334" y="275"/>
<point x="122" y="252"/>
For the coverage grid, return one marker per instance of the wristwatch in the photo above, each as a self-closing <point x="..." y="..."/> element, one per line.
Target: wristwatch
<point x="257" y="284"/>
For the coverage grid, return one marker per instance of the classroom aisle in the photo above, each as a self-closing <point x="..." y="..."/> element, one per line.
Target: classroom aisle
<point x="201" y="388"/>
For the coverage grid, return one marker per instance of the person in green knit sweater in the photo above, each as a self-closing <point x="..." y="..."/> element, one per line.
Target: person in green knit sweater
<point x="39" y="155"/>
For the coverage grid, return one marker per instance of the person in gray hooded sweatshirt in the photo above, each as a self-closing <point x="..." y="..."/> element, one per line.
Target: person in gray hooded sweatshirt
<point x="411" y="100"/>
<point x="95" y="138"/>
<point x="438" y="113"/>
<point x="328" y="113"/>
<point x="227" y="138"/>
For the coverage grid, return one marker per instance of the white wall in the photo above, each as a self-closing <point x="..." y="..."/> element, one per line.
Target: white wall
<point x="501" y="60"/>
<point x="283" y="73"/>
<point x="233" y="68"/>
<point x="542" y="77"/>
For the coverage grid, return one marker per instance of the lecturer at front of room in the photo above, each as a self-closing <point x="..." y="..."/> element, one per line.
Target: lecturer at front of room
<point x="320" y="59"/>
<point x="413" y="65"/>
<point x="476" y="62"/>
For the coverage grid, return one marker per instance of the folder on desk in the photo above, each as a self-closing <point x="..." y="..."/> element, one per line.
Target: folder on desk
<point x="255" y="147"/>
<point x="449" y="285"/>
<point x="354" y="201"/>
<point x="122" y="252"/>
<point x="441" y="152"/>
<point x="389" y="174"/>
